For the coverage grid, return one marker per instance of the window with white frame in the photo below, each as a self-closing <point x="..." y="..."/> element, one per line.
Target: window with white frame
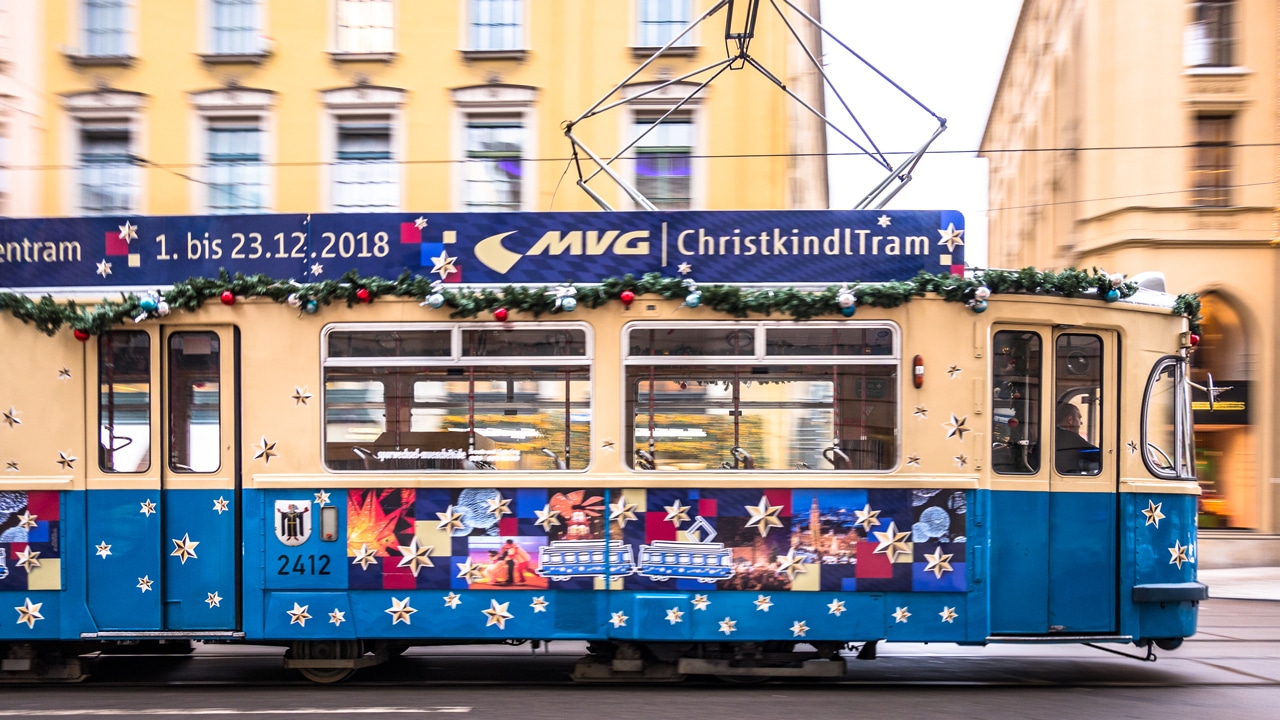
<point x="107" y="174"/>
<point x="664" y="160"/>
<point x="658" y="22"/>
<point x="1210" y="38"/>
<point x="366" y="26"/>
<point x="365" y="174"/>
<point x="235" y="165"/>
<point x="106" y="28"/>
<point x="496" y="24"/>
<point x="235" y="27"/>
<point x="493" y="171"/>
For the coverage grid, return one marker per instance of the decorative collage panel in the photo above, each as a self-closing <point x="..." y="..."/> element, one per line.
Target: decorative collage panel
<point x="892" y="540"/>
<point x="29" y="553"/>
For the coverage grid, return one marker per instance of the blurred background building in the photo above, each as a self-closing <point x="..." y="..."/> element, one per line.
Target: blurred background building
<point x="1136" y="136"/>
<point x="119" y="107"/>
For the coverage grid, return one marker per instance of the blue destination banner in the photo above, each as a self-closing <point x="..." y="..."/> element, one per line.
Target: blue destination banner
<point x="817" y="246"/>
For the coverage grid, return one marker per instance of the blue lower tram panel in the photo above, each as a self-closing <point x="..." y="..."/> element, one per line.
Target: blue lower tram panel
<point x="678" y="565"/>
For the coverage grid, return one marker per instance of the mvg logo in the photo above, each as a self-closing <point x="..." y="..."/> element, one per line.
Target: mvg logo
<point x="498" y="258"/>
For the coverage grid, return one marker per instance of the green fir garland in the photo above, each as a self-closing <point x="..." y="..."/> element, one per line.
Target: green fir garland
<point x="50" y="315"/>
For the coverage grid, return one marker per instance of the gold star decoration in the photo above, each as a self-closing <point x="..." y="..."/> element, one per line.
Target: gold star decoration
<point x="365" y="557"/>
<point x="221" y="505"/>
<point x="27" y="559"/>
<point x="953" y="371"/>
<point x="866" y="517"/>
<point x="763" y="515"/>
<point x="337" y="617"/>
<point x="499" y="506"/>
<point x="214" y="600"/>
<point x="547" y="518"/>
<point x="103" y="549"/>
<point x="901" y="615"/>
<point x="443" y="265"/>
<point x="955" y="427"/>
<point x="799" y="628"/>
<point x="700" y="602"/>
<point x="470" y="572"/>
<point x="29" y="613"/>
<point x="103" y="269"/>
<point x="26" y="520"/>
<point x="619" y="619"/>
<point x="144" y="583"/>
<point x="322" y="498"/>
<point x="185" y="548"/>
<point x="265" y="451"/>
<point x="11" y="417"/>
<point x="1154" y="516"/>
<point x="676" y="513"/>
<point x="622" y="511"/>
<point x="938" y="563"/>
<point x="763" y="603"/>
<point x="299" y="615"/>
<point x="420" y="223"/>
<point x="791" y="564"/>
<point x="148" y="508"/>
<point x="835" y="607"/>
<point x="892" y="542"/>
<point x="300" y="395"/>
<point x="951" y="237"/>
<point x="948" y="614"/>
<point x="452" y="600"/>
<point x="728" y="626"/>
<point x="450" y="520"/>
<point x="400" y="611"/>
<point x="67" y="460"/>
<point x="497" y="614"/>
<point x="1178" y="554"/>
<point x="675" y="615"/>
<point x="539" y="604"/>
<point x="415" y="557"/>
<point x="128" y="232"/>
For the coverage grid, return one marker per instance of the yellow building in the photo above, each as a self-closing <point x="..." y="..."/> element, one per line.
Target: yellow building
<point x="245" y="106"/>
<point x="1139" y="136"/>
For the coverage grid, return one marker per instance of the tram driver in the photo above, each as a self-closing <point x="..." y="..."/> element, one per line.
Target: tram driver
<point x="1073" y="455"/>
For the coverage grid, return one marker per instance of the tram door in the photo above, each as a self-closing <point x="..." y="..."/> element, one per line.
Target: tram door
<point x="1084" y="479"/>
<point x="200" y="479"/>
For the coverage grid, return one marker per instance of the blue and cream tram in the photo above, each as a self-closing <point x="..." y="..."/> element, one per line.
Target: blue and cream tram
<point x="727" y="443"/>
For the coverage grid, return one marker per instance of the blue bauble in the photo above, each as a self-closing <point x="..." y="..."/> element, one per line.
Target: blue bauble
<point x="435" y="300"/>
<point x="1112" y="295"/>
<point x="311" y="307"/>
<point x="568" y="304"/>
<point x="150" y="303"/>
<point x="848" y="311"/>
<point x="979" y="306"/>
<point x="694" y="299"/>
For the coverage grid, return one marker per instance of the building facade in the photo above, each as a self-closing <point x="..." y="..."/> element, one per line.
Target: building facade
<point x="20" y="123"/>
<point x="1156" y="150"/>
<point x="246" y="106"/>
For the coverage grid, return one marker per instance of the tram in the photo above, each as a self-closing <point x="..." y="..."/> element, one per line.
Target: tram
<point x="725" y="443"/>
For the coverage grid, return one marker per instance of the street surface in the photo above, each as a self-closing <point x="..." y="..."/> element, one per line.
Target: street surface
<point x="1231" y="668"/>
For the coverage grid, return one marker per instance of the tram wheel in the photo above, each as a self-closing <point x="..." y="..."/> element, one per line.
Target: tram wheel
<point x="327" y="650"/>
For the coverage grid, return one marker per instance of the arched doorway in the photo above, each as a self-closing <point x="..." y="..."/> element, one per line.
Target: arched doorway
<point x="1226" y="456"/>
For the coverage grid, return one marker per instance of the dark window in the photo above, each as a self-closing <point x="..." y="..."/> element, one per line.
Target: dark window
<point x="1211" y="165"/>
<point x="1016" y="377"/>
<point x="124" y="402"/>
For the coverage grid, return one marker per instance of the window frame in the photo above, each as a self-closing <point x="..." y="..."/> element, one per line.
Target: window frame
<point x="1183" y="435"/>
<point x="106" y="107"/>
<point x="227" y="106"/>
<point x="1210" y="157"/>
<point x="343" y="51"/>
<point x="687" y="44"/>
<point x="346" y="104"/>
<point x="259" y="47"/>
<point x="1212" y="42"/>
<point x="760" y="356"/>
<point x="126" y="32"/>
<point x="651" y="101"/>
<point x="470" y="38"/>
<point x="492" y="102"/>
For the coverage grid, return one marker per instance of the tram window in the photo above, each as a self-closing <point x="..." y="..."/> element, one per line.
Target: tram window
<point x="1078" y="405"/>
<point x="390" y="343"/>
<point x="522" y="413"/>
<point x="1166" y="422"/>
<point x="1016" y="376"/>
<point x="194" y="402"/>
<point x="124" y="402"/>
<point x="826" y="407"/>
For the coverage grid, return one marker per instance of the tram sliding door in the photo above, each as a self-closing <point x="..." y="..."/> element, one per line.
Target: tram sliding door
<point x="1083" y="483"/>
<point x="200" y="479"/>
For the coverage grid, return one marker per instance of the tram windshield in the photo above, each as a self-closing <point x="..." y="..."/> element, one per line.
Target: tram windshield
<point x="1166" y="421"/>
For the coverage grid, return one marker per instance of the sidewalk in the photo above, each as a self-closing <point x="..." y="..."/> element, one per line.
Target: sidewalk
<point x="1257" y="583"/>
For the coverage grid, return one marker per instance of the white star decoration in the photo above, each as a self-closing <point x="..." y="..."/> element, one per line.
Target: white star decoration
<point x="470" y="571"/>
<point x="420" y="223"/>
<point x="221" y="505"/>
<point x="799" y="628"/>
<point x="499" y="506"/>
<point x="539" y="604"/>
<point x="265" y="451"/>
<point x="337" y="617"/>
<point x="29" y="613"/>
<point x="938" y="563"/>
<point x="953" y="371"/>
<point x="677" y="513"/>
<point x="450" y="520"/>
<point x="400" y="611"/>
<point x="892" y="543"/>
<point x="26" y="520"/>
<point x="1154" y="516"/>
<point x="128" y="232"/>
<point x="921" y="412"/>
<point x="317" y="269"/>
<point x="948" y="614"/>
<point x="148" y="508"/>
<point x="622" y="511"/>
<point x="883" y="221"/>
<point x="415" y="557"/>
<point x="67" y="460"/>
<point x="103" y="549"/>
<point x="300" y="395"/>
<point x="144" y="583"/>
<point x="951" y="237"/>
<point x="27" y="559"/>
<point x="901" y="615"/>
<point x="618" y="619"/>
<point x="1178" y="554"/>
<point x="700" y="602"/>
<point x="684" y="268"/>
<point x="185" y="548"/>
<point x="728" y="626"/>
<point x="791" y="564"/>
<point x="547" y="518"/>
<point x="955" y="427"/>
<point x="214" y="600"/>
<point x="299" y="615"/>
<point x="365" y="557"/>
<point x="452" y="600"/>
<point x="322" y="498"/>
<point x="835" y="607"/>
<point x="675" y="615"/>
<point x="11" y="417"/>
<point x="866" y="517"/>
<point x="764" y="515"/>
<point x="104" y="269"/>
<point x="11" y="466"/>
<point x="763" y="603"/>
<point x="443" y="265"/>
<point x="64" y="374"/>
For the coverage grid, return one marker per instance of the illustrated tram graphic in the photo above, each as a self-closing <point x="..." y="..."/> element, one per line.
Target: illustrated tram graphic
<point x="564" y="559"/>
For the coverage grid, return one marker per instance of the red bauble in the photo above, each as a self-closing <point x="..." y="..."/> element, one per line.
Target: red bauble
<point x="627" y="297"/>
<point x="362" y="295"/>
<point x="228" y="297"/>
<point x="1013" y="422"/>
<point x="500" y="314"/>
<point x="81" y="335"/>
<point x="1194" y="339"/>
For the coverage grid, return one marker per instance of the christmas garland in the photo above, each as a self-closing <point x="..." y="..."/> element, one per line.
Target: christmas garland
<point x="50" y="315"/>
